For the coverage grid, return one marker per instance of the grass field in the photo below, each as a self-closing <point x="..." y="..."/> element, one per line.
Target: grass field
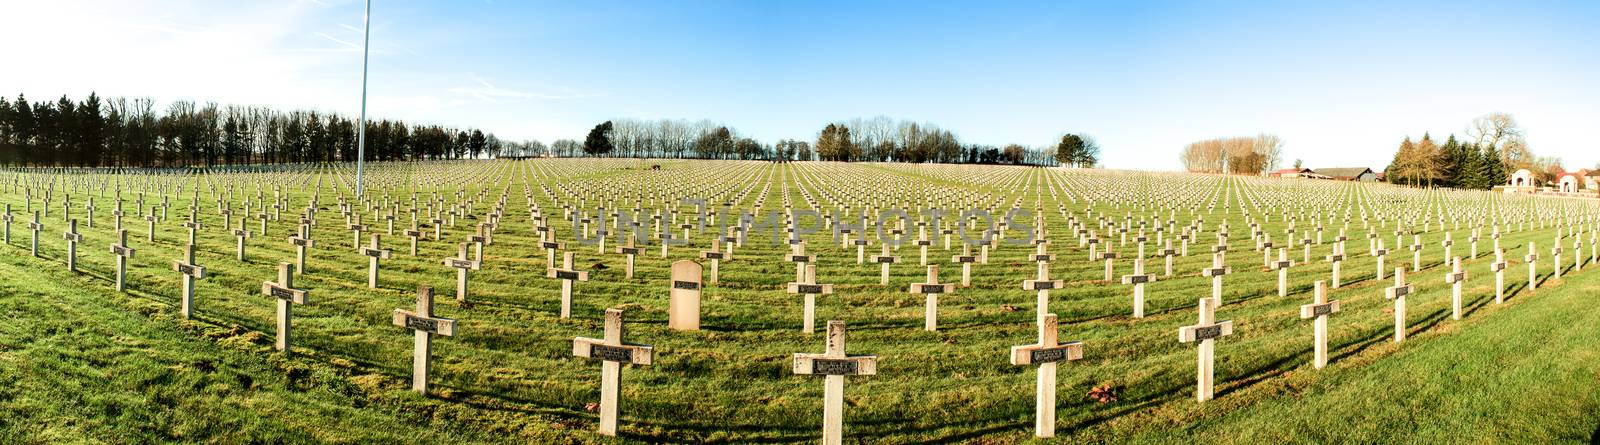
<point x="84" y="363"/>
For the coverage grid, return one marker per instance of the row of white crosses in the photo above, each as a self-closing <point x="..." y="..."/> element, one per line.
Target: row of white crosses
<point x="1202" y="330"/>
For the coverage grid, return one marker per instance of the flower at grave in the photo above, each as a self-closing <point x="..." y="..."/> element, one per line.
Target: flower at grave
<point x="591" y="406"/>
<point x="1008" y="308"/>
<point x="598" y="266"/>
<point x="1104" y="393"/>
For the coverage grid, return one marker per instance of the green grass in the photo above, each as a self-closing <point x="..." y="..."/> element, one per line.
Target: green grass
<point x="87" y="364"/>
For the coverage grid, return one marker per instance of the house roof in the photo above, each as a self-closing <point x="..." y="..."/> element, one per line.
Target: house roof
<point x="1291" y="170"/>
<point x="1344" y="172"/>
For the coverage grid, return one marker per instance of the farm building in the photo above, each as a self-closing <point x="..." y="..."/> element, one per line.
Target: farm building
<point x="1289" y="173"/>
<point x="1361" y="174"/>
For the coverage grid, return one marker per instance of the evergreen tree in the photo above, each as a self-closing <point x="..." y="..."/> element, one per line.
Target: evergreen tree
<point x="1495" y="166"/>
<point x="599" y="140"/>
<point x="1450" y="161"/>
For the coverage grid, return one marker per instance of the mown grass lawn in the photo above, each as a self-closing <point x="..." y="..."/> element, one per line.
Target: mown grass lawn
<point x="82" y="363"/>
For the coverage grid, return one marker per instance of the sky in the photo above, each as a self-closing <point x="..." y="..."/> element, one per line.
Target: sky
<point x="1341" y="82"/>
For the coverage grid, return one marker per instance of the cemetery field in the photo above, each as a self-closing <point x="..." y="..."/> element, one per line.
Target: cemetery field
<point x="84" y="362"/>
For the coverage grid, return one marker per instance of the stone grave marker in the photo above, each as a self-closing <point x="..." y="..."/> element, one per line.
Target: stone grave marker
<point x="1205" y="332"/>
<point x="567" y="275"/>
<point x="1398" y="293"/>
<point x="374" y="252"/>
<point x="1456" y="277"/>
<point x="684" y="300"/>
<point x="612" y="352"/>
<point x="283" y="290"/>
<point x="809" y="287"/>
<point x="834" y="365"/>
<point x="931" y="289"/>
<point x="123" y="253"/>
<point x="1138" y="279"/>
<point x="1319" y="309"/>
<point x="1045" y="355"/>
<point x="424" y="326"/>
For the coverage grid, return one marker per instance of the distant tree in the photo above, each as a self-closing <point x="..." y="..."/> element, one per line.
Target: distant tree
<point x="1012" y="154"/>
<point x="476" y="143"/>
<point x="1068" y="150"/>
<point x="598" y="142"/>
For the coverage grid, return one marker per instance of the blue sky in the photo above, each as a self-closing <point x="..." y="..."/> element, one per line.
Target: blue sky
<point x="1341" y="82"/>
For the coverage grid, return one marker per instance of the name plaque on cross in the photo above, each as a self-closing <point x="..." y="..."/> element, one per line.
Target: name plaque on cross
<point x="834" y="367"/>
<point x="610" y="353"/>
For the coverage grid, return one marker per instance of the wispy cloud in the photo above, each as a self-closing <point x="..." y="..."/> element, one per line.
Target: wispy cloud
<point x="484" y="90"/>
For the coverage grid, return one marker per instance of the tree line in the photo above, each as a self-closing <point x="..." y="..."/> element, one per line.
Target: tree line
<point x="857" y="140"/>
<point x="123" y="132"/>
<point x="1235" y="155"/>
<point x="1494" y="148"/>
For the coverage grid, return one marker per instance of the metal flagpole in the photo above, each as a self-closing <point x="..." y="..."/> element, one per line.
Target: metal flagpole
<point x="361" y="135"/>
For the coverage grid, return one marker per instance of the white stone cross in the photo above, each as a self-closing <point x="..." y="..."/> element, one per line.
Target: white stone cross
<point x="424" y="326"/>
<point x="283" y="290"/>
<point x="567" y="275"/>
<point x="1499" y="269"/>
<point x="1282" y="265"/>
<point x="1206" y="332"/>
<point x="931" y="289"/>
<point x="1555" y="257"/>
<point x="835" y="365"/>
<point x="629" y="250"/>
<point x="1045" y="354"/>
<point x="884" y="259"/>
<point x="1533" y="262"/>
<point x="1398" y="293"/>
<point x="808" y="287"/>
<point x="1138" y="279"/>
<point x="1416" y="253"/>
<point x="461" y="263"/>
<point x="965" y="259"/>
<point x="1043" y="284"/>
<point x="1216" y="271"/>
<point x="612" y="352"/>
<point x="35" y="226"/>
<point x="1455" y="278"/>
<point x="73" y="238"/>
<point x="716" y="255"/>
<point x="374" y="253"/>
<point x="1380" y="253"/>
<point x="241" y="234"/>
<point x="1109" y="256"/>
<point x="301" y="244"/>
<point x="190" y="272"/>
<point x="123" y="253"/>
<point x="1319" y="309"/>
<point x="1337" y="258"/>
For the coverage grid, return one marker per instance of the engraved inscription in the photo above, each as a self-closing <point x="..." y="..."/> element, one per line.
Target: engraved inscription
<point x="282" y="294"/>
<point x="833" y="367"/>
<point x="1048" y="355"/>
<point x="1322" y="309"/>
<point x="685" y="285"/>
<point x="422" y="324"/>
<point x="610" y="353"/>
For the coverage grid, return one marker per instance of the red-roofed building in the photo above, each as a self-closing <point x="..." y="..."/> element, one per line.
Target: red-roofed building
<point x="1290" y="173"/>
